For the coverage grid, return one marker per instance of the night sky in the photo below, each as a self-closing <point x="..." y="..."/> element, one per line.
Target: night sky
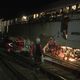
<point x="18" y="7"/>
<point x="14" y="8"/>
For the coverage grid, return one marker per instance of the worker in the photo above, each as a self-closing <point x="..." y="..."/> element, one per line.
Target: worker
<point x="38" y="51"/>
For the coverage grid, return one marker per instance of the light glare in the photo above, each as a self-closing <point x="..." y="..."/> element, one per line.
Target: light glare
<point x="74" y="7"/>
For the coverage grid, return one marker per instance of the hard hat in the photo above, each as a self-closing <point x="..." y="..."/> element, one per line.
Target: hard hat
<point x="38" y="40"/>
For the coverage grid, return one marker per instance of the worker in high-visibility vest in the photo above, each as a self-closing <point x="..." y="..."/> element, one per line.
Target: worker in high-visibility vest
<point x="27" y="44"/>
<point x="38" y="51"/>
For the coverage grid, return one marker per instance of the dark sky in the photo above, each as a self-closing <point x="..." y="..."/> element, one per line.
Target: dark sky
<point x="14" y="8"/>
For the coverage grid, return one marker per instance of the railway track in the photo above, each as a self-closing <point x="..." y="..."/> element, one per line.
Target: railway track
<point x="21" y="73"/>
<point x="66" y="69"/>
<point x="10" y="71"/>
<point x="42" y="74"/>
<point x="72" y="65"/>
